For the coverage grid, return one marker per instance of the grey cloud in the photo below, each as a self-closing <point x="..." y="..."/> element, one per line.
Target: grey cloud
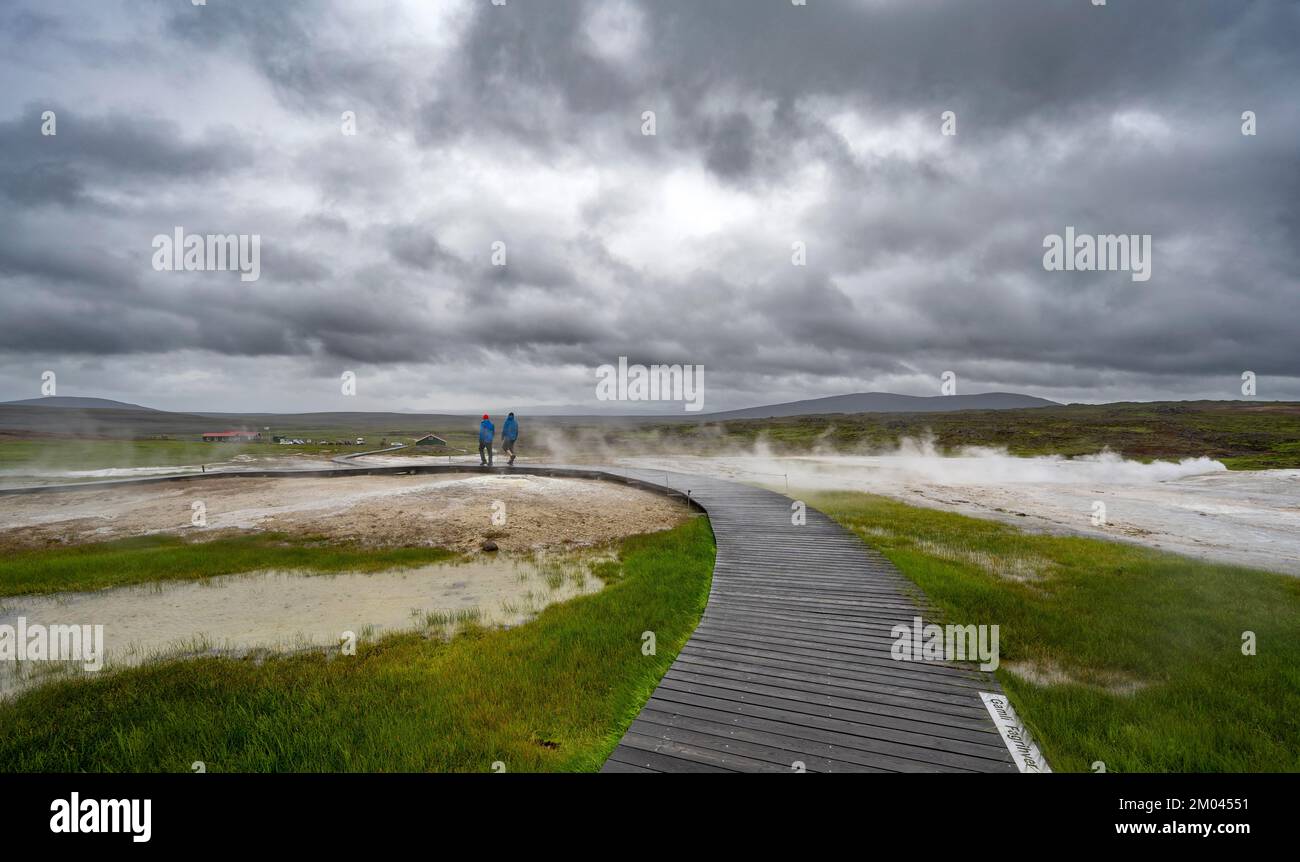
<point x="918" y="261"/>
<point x="114" y="151"/>
<point x="416" y="247"/>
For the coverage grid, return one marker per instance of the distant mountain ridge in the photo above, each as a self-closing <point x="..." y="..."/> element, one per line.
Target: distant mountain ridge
<point x="76" y="402"/>
<point x="104" y="417"/>
<point x="885" y="402"/>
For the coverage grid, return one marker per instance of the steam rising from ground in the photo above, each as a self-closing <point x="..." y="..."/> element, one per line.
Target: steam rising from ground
<point x="919" y="460"/>
<point x="1195" y="506"/>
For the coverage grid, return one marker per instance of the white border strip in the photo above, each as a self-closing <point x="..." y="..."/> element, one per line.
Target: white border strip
<point x="1023" y="751"/>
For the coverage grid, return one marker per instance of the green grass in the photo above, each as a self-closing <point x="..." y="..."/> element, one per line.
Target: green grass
<point x="145" y="559"/>
<point x="552" y="695"/>
<point x="67" y="453"/>
<point x="1143" y="647"/>
<point x="51" y="453"/>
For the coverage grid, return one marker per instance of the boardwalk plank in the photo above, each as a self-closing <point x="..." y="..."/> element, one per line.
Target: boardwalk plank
<point x="791" y="660"/>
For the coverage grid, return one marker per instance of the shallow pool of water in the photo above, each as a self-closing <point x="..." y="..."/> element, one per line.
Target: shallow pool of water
<point x="287" y="611"/>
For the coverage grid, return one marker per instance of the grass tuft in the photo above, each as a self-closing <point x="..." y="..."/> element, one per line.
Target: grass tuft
<point x="153" y="559"/>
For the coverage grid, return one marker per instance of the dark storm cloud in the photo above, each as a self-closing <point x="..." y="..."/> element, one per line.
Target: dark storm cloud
<point x="111" y="151"/>
<point x="775" y="124"/>
<point x="416" y="247"/>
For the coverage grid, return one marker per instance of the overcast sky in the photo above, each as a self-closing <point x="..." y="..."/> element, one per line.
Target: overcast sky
<point x="523" y="124"/>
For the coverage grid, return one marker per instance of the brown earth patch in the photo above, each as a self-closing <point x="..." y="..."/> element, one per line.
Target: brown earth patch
<point x="456" y="511"/>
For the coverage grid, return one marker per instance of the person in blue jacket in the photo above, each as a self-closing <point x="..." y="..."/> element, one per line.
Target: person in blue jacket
<point x="486" y="431"/>
<point x="509" y="434"/>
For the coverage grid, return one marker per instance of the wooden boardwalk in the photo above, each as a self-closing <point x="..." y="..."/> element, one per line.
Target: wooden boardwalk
<point x="791" y="662"/>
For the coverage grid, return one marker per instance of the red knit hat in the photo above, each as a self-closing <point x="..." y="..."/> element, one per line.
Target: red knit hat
<point x="485" y="416"/>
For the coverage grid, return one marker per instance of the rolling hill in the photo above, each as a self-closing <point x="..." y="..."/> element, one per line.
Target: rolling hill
<point x="76" y="403"/>
<point x="885" y="402"/>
